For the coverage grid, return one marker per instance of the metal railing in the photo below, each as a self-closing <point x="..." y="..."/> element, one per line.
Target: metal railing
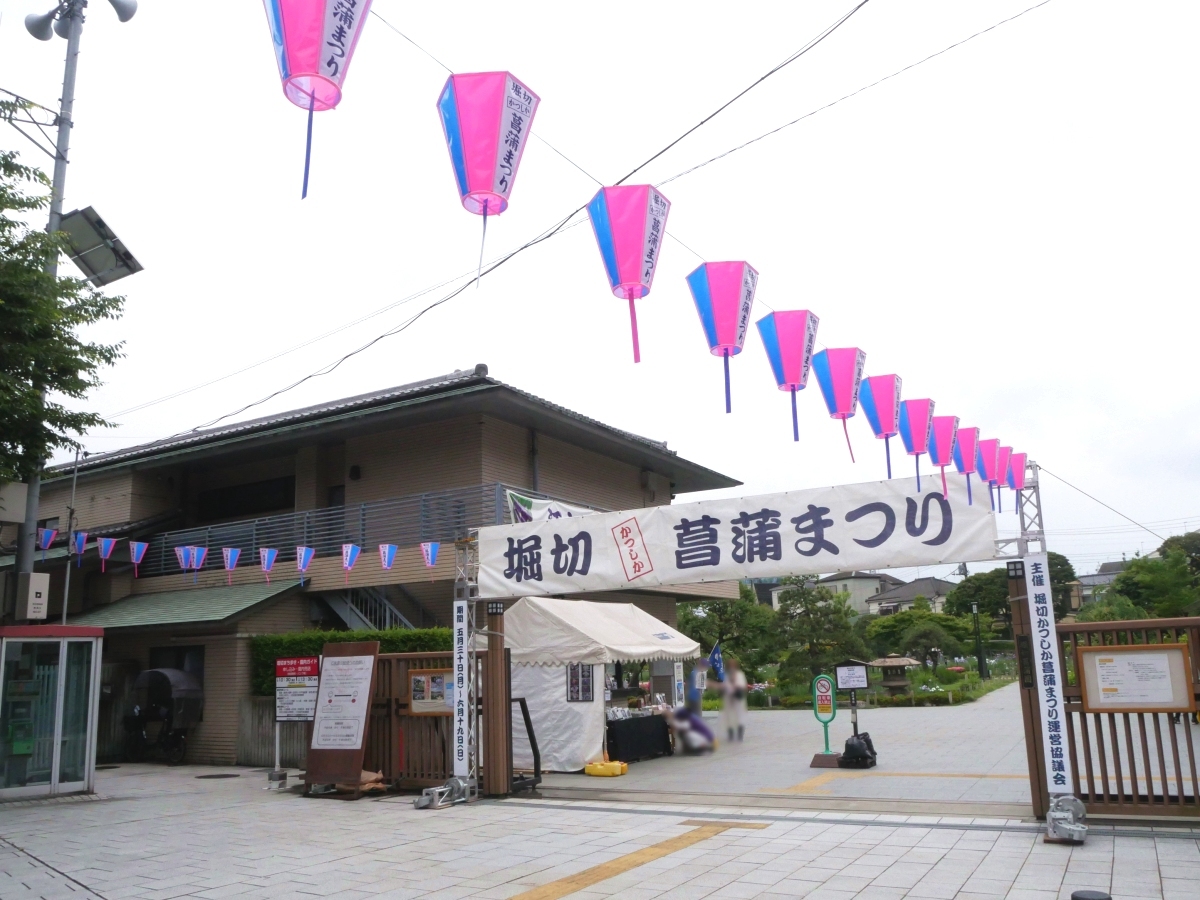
<point x="406" y="521"/>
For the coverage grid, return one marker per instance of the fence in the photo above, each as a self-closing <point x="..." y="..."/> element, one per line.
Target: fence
<point x="256" y="736"/>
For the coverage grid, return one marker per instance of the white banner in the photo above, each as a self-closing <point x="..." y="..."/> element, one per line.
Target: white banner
<point x="533" y="509"/>
<point x="461" y="743"/>
<point x="877" y="525"/>
<point x="343" y="698"/>
<point x="1048" y="674"/>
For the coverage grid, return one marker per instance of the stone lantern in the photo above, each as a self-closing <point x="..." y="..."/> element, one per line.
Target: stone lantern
<point x="894" y="679"/>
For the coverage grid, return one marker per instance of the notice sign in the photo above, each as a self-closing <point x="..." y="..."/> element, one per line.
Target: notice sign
<point x="296" y="681"/>
<point x="1133" y="678"/>
<point x="851" y="677"/>
<point x="431" y="692"/>
<point x="461" y="746"/>
<point x="342" y="702"/>
<point x="1048" y="683"/>
<point x="823" y="705"/>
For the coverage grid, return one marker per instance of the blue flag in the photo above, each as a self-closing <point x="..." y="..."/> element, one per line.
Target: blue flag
<point x="717" y="663"/>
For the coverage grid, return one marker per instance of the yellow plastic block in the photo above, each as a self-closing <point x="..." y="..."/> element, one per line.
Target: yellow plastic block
<point x="606" y="769"/>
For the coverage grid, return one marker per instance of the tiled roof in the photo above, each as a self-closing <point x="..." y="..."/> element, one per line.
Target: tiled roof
<point x="214" y="604"/>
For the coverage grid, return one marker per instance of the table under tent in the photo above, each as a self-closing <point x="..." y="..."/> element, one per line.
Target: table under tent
<point x="559" y="651"/>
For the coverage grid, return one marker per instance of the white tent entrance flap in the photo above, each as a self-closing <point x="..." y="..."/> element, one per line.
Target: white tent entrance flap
<point x="876" y="525"/>
<point x="546" y="636"/>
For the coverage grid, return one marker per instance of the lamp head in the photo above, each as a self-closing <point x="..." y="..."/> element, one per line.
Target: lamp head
<point x="125" y="8"/>
<point x="41" y="27"/>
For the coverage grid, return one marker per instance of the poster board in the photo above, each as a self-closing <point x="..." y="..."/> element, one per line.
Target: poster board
<point x="344" y="695"/>
<point x="1136" y="678"/>
<point x="296" y="680"/>
<point x="431" y="692"/>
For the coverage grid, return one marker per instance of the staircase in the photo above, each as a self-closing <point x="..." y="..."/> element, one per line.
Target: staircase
<point x="367" y="609"/>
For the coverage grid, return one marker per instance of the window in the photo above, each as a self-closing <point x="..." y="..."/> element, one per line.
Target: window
<point x="336" y="496"/>
<point x="247" y="499"/>
<point x="48" y="523"/>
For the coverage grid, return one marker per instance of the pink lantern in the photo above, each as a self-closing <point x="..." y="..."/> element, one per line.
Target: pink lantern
<point x="1016" y="472"/>
<point x="943" y="436"/>
<point x="314" y="41"/>
<point x="629" y="222"/>
<point x="839" y="374"/>
<point x="987" y="464"/>
<point x="789" y="337"/>
<point x="1002" y="457"/>
<point x="880" y="399"/>
<point x="724" y="295"/>
<point x="916" y="423"/>
<point x="966" y="444"/>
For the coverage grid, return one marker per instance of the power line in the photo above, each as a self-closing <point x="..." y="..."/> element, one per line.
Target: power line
<point x="1101" y="502"/>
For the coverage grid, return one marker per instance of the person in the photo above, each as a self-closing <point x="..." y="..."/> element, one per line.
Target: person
<point x="734" y="688"/>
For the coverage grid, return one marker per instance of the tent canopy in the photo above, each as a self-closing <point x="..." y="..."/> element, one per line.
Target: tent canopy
<point x="549" y="632"/>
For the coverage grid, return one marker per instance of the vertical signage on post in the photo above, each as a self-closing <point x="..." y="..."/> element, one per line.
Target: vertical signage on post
<point x="460" y="748"/>
<point x="296" y="681"/>
<point x="1047" y="673"/>
<point x="680" y="695"/>
<point x="824" y="701"/>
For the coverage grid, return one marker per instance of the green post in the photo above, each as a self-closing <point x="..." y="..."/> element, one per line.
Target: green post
<point x="824" y="699"/>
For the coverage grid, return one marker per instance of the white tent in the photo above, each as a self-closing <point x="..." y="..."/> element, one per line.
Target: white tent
<point x="546" y="636"/>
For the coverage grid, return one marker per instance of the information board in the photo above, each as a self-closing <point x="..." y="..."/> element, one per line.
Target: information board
<point x="431" y="692"/>
<point x="851" y="677"/>
<point x="1144" y="678"/>
<point x="344" y="697"/>
<point x="296" y="680"/>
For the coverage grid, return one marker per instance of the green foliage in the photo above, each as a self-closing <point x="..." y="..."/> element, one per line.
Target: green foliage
<point x="39" y="317"/>
<point x="1112" y="608"/>
<point x="1187" y="544"/>
<point x="989" y="590"/>
<point x="890" y="632"/>
<point x="1164" y="586"/>
<point x="1062" y="573"/>
<point x="924" y="640"/>
<point x="817" y="626"/>
<point x="745" y="629"/>
<point x="267" y="648"/>
<point x="921" y="604"/>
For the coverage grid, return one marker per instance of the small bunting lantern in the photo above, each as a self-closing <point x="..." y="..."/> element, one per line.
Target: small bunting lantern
<point x="429" y="553"/>
<point x="350" y="554"/>
<point x="137" y="552"/>
<point x="105" y="546"/>
<point x="45" y="538"/>
<point x="944" y="433"/>
<point x="304" y="558"/>
<point x="230" y="556"/>
<point x="966" y="443"/>
<point x="387" y="555"/>
<point x="1016" y="472"/>
<point x="266" y="559"/>
<point x="916" y="424"/>
<point x="879" y="396"/>
<point x="79" y="542"/>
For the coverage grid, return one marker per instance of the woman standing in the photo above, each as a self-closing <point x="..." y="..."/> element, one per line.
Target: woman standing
<point x="734" y="688"/>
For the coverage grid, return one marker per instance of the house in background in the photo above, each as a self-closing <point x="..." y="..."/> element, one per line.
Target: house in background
<point x="900" y="598"/>
<point x="1087" y="588"/>
<point x="859" y="587"/>
<point x="416" y="463"/>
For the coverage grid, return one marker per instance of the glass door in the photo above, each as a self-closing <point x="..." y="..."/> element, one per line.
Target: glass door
<point x="29" y="680"/>
<point x="74" y="745"/>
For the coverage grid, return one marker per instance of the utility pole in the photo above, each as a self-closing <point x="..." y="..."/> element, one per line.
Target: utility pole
<point x="980" y="658"/>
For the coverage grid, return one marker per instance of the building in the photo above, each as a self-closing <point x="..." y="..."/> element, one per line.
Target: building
<point x="1087" y="588"/>
<point x="900" y="598"/>
<point x="859" y="587"/>
<point x="417" y="463"/>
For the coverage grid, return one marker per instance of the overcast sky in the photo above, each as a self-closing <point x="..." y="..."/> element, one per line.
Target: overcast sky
<point x="1010" y="226"/>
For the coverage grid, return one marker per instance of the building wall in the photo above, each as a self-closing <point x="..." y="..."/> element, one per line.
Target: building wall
<point x="431" y="457"/>
<point x="103" y="499"/>
<point x="152" y="493"/>
<point x="573" y="473"/>
<point x="508" y="454"/>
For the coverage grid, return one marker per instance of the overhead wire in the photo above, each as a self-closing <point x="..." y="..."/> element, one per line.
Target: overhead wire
<point x="1101" y="502"/>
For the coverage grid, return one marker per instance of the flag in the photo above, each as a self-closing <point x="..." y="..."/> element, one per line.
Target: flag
<point x="387" y="555"/>
<point x="105" y="546"/>
<point x="304" y="557"/>
<point x="266" y="558"/>
<point x="230" y="555"/>
<point x="535" y="509"/>
<point x="80" y="540"/>
<point x="137" y="552"/>
<point x="349" y="558"/>
<point x="716" y="662"/>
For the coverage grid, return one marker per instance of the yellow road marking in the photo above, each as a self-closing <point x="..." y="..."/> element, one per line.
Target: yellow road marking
<point x="622" y="864"/>
<point x="816" y="784"/>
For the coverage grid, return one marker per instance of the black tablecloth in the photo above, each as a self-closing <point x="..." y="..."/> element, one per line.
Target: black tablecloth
<point x="640" y="737"/>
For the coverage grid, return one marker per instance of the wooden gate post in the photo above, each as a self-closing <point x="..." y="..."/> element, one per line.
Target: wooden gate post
<point x="497" y="712"/>
<point x="1027" y="672"/>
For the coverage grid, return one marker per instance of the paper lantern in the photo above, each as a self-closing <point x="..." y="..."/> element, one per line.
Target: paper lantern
<point x="429" y="553"/>
<point x="724" y="295"/>
<point x="879" y="397"/>
<point x="266" y="560"/>
<point x="839" y="374"/>
<point x="630" y="222"/>
<point x="79" y="543"/>
<point x="349" y="558"/>
<point x="942" y="438"/>
<point x="304" y="558"/>
<point x="314" y="41"/>
<point x="230" y="556"/>
<point x="45" y="537"/>
<point x="987" y="464"/>
<point x="1016" y="473"/>
<point x="1002" y="457"/>
<point x="105" y="547"/>
<point x="137" y="552"/>
<point x="966" y="444"/>
<point x="183" y="556"/>
<point x="199" y="555"/>
<point x="387" y="555"/>
<point x="916" y="423"/>
<point x="789" y="338"/>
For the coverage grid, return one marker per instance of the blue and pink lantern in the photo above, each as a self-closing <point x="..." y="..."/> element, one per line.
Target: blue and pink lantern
<point x="304" y="558"/>
<point x="1016" y="474"/>
<point x="45" y="537"/>
<point x="789" y="338"/>
<point x="943" y="436"/>
<point x="105" y="547"/>
<point x="199" y="555"/>
<point x="429" y="553"/>
<point x="630" y="222"/>
<point x="350" y="554"/>
<point x="266" y="560"/>
<point x="879" y="396"/>
<point x="987" y="465"/>
<point x="1002" y="457"/>
<point x="79" y="543"/>
<point x="966" y="445"/>
<point x="839" y="375"/>
<point x="724" y="295"/>
<point x="230" y="555"/>
<point x="916" y="424"/>
<point x="314" y="41"/>
<point x="486" y="118"/>
<point x="137" y="552"/>
<point x="387" y="556"/>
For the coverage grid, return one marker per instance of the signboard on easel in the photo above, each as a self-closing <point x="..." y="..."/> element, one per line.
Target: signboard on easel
<point x="340" y="723"/>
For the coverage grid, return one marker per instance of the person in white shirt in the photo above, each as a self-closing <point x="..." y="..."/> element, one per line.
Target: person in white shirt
<point x="735" y="688"/>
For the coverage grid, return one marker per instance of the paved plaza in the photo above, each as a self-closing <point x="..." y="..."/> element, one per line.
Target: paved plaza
<point x="160" y="833"/>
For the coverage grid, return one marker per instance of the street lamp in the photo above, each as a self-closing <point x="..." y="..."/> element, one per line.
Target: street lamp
<point x="65" y="20"/>
<point x="980" y="659"/>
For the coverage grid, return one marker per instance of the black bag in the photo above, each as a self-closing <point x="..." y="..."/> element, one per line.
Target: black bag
<point x="859" y="752"/>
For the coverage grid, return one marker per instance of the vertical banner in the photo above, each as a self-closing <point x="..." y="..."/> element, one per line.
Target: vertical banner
<point x="1048" y="677"/>
<point x="459" y="746"/>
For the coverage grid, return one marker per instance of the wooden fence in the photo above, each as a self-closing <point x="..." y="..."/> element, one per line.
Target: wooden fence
<point x="256" y="736"/>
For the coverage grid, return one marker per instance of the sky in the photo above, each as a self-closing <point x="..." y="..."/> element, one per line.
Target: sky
<point x="1009" y="226"/>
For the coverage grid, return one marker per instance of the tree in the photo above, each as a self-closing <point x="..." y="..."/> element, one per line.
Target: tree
<point x="988" y="589"/>
<point x="1164" y="586"/>
<point x="921" y="603"/>
<point x="1112" y="608"/>
<point x="888" y="632"/>
<point x="39" y="316"/>
<point x="1187" y="544"/>
<point x="1062" y="573"/>
<point x="818" y="629"/>
<point x="925" y="640"/>
<point x="744" y="628"/>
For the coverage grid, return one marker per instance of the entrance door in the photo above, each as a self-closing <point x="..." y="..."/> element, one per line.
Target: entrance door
<point x="46" y="691"/>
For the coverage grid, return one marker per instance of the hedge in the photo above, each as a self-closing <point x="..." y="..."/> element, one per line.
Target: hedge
<point x="265" y="649"/>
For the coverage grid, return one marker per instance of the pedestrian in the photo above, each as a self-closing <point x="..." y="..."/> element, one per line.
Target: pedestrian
<point x="733" y="710"/>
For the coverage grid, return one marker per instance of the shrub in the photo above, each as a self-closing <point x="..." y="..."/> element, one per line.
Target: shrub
<point x="265" y="649"/>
